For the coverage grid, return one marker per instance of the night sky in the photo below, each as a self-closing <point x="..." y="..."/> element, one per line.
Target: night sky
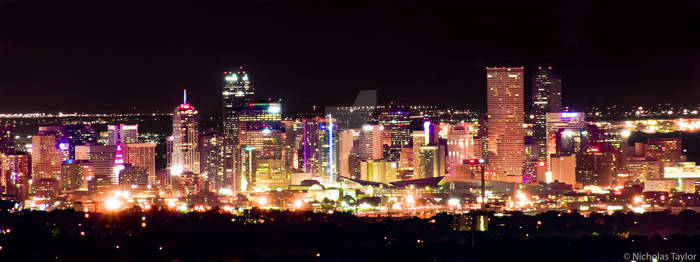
<point x="112" y="56"/>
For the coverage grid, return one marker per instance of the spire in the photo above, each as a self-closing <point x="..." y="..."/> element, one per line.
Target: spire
<point x="184" y="96"/>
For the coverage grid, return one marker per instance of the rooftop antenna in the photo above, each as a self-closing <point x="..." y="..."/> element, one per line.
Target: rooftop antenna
<point x="184" y="96"/>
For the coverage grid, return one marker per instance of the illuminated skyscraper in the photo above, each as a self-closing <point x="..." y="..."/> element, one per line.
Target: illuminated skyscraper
<point x="212" y="155"/>
<point x="328" y="148"/>
<point x="103" y="159"/>
<point x="185" y="151"/>
<point x="141" y="155"/>
<point x="370" y="142"/>
<point x="238" y="89"/>
<point x="429" y="155"/>
<point x="546" y="98"/>
<point x="345" y="145"/>
<point x="46" y="157"/>
<point x="460" y="146"/>
<point x="122" y="134"/>
<point x="69" y="136"/>
<point x="505" y="122"/>
<point x="260" y="131"/>
<point x="396" y="130"/>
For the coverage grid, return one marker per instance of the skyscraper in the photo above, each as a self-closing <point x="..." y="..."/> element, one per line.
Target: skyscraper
<point x="370" y="142"/>
<point x="185" y="152"/>
<point x="45" y="157"/>
<point x="211" y="158"/>
<point x="122" y="134"/>
<point x="103" y="158"/>
<point x="260" y="131"/>
<point x="396" y="130"/>
<point x="237" y="90"/>
<point x="142" y="155"/>
<point x="505" y="122"/>
<point x="546" y="98"/>
<point x="428" y="153"/>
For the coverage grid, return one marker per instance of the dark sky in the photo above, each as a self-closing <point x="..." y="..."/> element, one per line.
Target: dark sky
<point x="114" y="56"/>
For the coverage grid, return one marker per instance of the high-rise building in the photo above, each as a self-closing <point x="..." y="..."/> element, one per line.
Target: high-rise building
<point x="237" y="90"/>
<point x="185" y="151"/>
<point x="122" y="134"/>
<point x="75" y="174"/>
<point x="15" y="174"/>
<point x="564" y="133"/>
<point x="428" y="153"/>
<point x="309" y="144"/>
<point x="328" y="149"/>
<point x="345" y="145"/>
<point x="104" y="161"/>
<point x="396" y="130"/>
<point x="505" y="122"/>
<point x="546" y="98"/>
<point x="370" y="142"/>
<point x="460" y="146"/>
<point x="142" y="155"/>
<point x="77" y="135"/>
<point x="7" y="140"/>
<point x="211" y="154"/>
<point x="45" y="157"/>
<point x="260" y="131"/>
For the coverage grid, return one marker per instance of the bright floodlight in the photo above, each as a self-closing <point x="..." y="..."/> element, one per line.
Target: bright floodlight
<point x="297" y="203"/>
<point x="113" y="204"/>
<point x="453" y="202"/>
<point x="262" y="201"/>
<point x="625" y="133"/>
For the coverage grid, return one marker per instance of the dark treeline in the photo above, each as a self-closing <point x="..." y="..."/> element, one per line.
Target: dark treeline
<point x="304" y="236"/>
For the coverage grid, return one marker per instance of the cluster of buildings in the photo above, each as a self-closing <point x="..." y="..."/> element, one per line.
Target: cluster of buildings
<point x="378" y="151"/>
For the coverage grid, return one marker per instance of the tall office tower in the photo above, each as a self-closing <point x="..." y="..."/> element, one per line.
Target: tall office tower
<point x="293" y="135"/>
<point x="185" y="154"/>
<point x="260" y="130"/>
<point x="15" y="173"/>
<point x="460" y="146"/>
<point x="142" y="155"/>
<point x="428" y="154"/>
<point x="327" y="148"/>
<point x="75" y="174"/>
<point x="211" y="155"/>
<point x="77" y="135"/>
<point x="45" y="157"/>
<point x="546" y="98"/>
<point x="309" y="144"/>
<point x="345" y="145"/>
<point x="563" y="131"/>
<point x="505" y="122"/>
<point x="597" y="166"/>
<point x="7" y="140"/>
<point x="396" y="130"/>
<point x="103" y="159"/>
<point x="370" y="142"/>
<point x="238" y="89"/>
<point x="122" y="134"/>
